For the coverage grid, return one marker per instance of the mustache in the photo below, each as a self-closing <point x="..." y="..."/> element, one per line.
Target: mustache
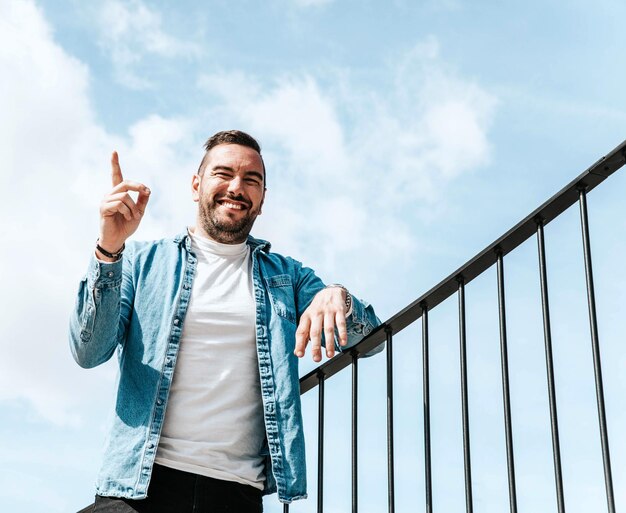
<point x="238" y="197"/>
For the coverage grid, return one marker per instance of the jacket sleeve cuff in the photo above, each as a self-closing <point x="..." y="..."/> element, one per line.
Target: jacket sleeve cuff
<point x="358" y="318"/>
<point x="104" y="274"/>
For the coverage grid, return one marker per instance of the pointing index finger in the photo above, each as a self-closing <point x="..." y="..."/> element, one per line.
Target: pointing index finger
<point x="116" y="170"/>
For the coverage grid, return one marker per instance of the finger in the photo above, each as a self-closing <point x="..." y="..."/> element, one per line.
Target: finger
<point x="129" y="185"/>
<point x="340" y="322"/>
<point x="302" y="336"/>
<point x="117" y="207"/>
<point x="329" y="334"/>
<point x="315" y="334"/>
<point x="116" y="170"/>
<point x="127" y="200"/>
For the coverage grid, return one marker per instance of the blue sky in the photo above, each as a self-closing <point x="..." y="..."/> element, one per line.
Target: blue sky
<point x="401" y="138"/>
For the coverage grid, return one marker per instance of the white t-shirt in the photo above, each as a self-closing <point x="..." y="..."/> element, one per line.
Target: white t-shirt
<point x="214" y="419"/>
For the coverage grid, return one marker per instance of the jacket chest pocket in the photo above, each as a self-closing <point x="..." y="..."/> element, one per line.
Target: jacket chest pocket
<point x="281" y="295"/>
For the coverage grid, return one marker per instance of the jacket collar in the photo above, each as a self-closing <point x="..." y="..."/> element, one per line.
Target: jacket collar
<point x="260" y="244"/>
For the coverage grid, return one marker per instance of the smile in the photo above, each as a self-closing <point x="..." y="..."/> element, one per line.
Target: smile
<point x="234" y="206"/>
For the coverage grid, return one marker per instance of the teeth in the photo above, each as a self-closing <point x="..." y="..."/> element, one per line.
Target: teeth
<point x="232" y="205"/>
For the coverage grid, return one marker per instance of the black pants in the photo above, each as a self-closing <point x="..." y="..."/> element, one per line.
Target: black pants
<point x="174" y="491"/>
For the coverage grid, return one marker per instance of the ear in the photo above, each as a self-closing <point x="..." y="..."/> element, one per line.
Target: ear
<point x="195" y="187"/>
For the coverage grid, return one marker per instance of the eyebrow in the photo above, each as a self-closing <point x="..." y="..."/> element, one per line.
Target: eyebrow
<point x="256" y="174"/>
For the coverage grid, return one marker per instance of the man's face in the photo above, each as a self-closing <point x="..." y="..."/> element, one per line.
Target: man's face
<point x="230" y="192"/>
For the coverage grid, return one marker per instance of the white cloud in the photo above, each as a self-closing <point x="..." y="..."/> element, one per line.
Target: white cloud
<point x="331" y="189"/>
<point x="434" y="125"/>
<point x="48" y="129"/>
<point x="130" y="32"/>
<point x="428" y="128"/>
<point x="54" y="167"/>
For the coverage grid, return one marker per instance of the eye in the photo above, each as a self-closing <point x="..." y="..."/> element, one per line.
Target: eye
<point x="252" y="181"/>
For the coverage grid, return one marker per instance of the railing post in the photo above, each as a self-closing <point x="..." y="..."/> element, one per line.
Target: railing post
<point x="390" y="464"/>
<point x="320" y="444"/>
<point x="506" y="394"/>
<point x="469" y="501"/>
<point x="595" y="345"/>
<point x="547" y="334"/>
<point x="355" y="447"/>
<point x="426" y="399"/>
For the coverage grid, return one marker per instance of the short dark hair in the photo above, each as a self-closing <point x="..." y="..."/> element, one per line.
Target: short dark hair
<point x="230" y="137"/>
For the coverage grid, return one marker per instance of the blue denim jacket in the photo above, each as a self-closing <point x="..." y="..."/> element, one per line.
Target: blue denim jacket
<point x="137" y="306"/>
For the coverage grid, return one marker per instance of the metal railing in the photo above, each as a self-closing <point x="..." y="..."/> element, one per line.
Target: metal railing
<point x="533" y="224"/>
<point x="455" y="283"/>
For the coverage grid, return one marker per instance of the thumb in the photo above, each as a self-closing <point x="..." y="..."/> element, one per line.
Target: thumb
<point x="142" y="199"/>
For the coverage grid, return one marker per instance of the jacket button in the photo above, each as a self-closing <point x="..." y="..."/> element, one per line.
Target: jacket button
<point x="159" y="402"/>
<point x="176" y="321"/>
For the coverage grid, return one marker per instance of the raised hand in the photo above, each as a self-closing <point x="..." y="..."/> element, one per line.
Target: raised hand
<point x="119" y="214"/>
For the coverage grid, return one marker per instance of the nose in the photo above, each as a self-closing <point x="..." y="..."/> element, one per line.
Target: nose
<point x="235" y="186"/>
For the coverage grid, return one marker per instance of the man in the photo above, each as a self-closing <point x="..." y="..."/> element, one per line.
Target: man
<point x="216" y="305"/>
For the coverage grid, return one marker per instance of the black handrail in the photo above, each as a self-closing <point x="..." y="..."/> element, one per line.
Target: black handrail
<point x="455" y="283"/>
<point x="522" y="231"/>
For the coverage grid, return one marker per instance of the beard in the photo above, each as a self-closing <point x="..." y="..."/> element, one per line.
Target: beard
<point x="223" y="229"/>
